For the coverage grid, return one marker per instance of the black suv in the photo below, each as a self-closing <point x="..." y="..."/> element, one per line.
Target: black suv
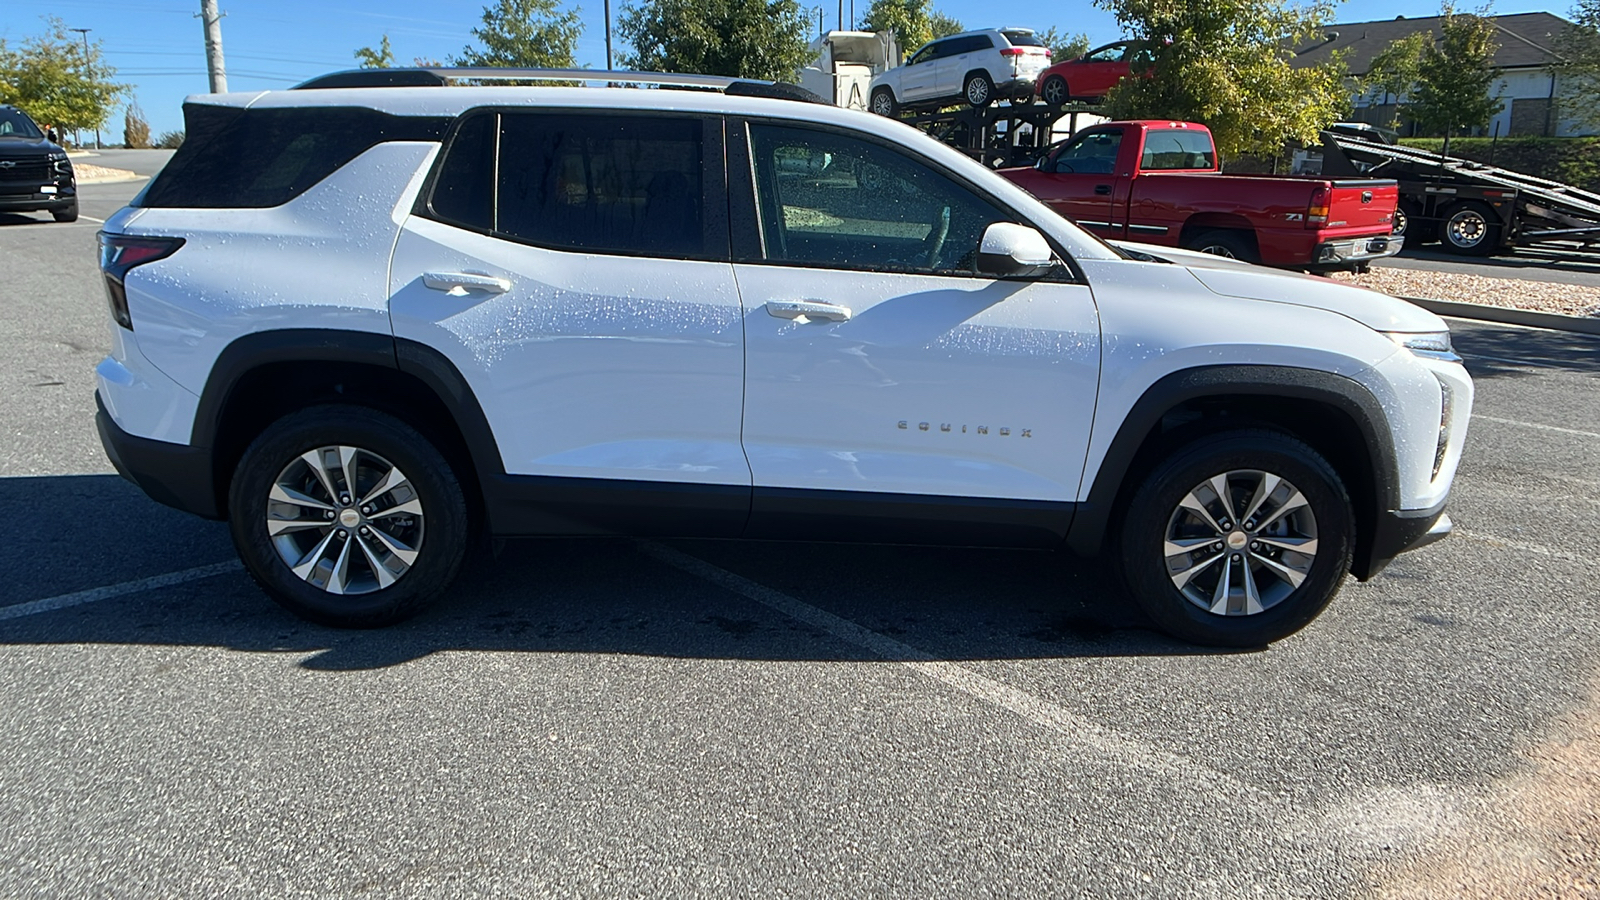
<point x="35" y="174"/>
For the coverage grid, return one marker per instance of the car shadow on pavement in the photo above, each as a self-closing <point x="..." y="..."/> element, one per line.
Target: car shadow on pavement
<point x="595" y="596"/>
<point x="1493" y="351"/>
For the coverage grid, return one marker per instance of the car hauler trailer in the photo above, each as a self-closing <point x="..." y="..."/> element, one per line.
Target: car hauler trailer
<point x="1469" y="207"/>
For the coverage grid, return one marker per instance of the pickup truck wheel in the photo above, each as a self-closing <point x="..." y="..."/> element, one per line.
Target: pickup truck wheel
<point x="978" y="89"/>
<point x="347" y="517"/>
<point x="883" y="102"/>
<point x="1054" y="92"/>
<point x="1237" y="539"/>
<point x="1470" y="228"/>
<point x="1223" y="242"/>
<point x="70" y="214"/>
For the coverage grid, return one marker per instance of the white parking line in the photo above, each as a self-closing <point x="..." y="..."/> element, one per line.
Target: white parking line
<point x="1135" y="753"/>
<point x="91" y="218"/>
<point x="1535" y="425"/>
<point x="95" y="595"/>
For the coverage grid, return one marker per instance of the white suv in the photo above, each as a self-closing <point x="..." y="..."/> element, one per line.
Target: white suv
<point x="976" y="66"/>
<point x="368" y="325"/>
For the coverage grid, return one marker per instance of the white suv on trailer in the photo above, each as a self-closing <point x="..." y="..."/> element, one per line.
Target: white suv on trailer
<point x="979" y="67"/>
<point x="365" y="324"/>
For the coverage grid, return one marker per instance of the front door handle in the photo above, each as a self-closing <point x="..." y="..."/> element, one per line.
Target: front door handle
<point x="811" y="310"/>
<point x="1102" y="189"/>
<point x="458" y="283"/>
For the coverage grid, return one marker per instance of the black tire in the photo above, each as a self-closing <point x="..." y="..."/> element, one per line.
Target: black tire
<point x="883" y="103"/>
<point x="70" y="214"/>
<point x="1154" y="513"/>
<point x="1225" y="242"/>
<point x="1054" y="92"/>
<point x="1417" y="229"/>
<point x="441" y="534"/>
<point x="1469" y="228"/>
<point x="977" y="89"/>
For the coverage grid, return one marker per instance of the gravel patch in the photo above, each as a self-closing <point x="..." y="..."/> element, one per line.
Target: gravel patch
<point x="1515" y="293"/>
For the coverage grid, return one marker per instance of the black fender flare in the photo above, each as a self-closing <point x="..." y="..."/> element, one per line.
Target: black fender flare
<point x="1093" y="516"/>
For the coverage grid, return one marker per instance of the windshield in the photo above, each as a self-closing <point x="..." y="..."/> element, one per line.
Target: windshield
<point x="14" y="124"/>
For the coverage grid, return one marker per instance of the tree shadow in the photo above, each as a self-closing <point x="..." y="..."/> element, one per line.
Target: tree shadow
<point x="1495" y="351"/>
<point x="593" y="596"/>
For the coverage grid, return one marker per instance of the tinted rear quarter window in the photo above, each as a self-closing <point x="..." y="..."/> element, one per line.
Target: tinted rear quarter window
<point x="267" y="157"/>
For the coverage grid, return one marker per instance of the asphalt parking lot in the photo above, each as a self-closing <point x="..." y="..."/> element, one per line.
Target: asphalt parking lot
<point x="620" y="718"/>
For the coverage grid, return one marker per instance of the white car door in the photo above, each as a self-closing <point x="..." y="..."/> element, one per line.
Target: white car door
<point x="882" y="370"/>
<point x="918" y="76"/>
<point x="586" y="299"/>
<point x="974" y="51"/>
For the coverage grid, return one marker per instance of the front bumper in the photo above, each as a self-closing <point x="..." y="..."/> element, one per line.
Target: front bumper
<point x="1400" y="531"/>
<point x="177" y="475"/>
<point x="37" y="202"/>
<point x="1357" y="250"/>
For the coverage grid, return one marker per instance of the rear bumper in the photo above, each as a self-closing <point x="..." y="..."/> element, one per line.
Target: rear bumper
<point x="1401" y="531"/>
<point x="174" y="474"/>
<point x="1332" y="254"/>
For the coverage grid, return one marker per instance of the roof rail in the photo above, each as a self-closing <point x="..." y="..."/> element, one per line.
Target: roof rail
<point x="440" y="77"/>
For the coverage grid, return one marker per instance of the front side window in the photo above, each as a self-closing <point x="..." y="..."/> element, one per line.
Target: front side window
<point x="928" y="53"/>
<point x="1176" y="149"/>
<point x="832" y="200"/>
<point x="1107" y="54"/>
<point x="1094" y="153"/>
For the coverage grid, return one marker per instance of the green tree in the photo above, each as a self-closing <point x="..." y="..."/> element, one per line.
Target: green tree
<point x="1062" y="47"/>
<point x="1226" y="64"/>
<point x="1455" y="74"/>
<point x="1394" y="72"/>
<point x="910" y="20"/>
<point x="941" y="25"/>
<point x="381" y="58"/>
<point x="52" y="79"/>
<point x="737" y="38"/>
<point x="135" y="130"/>
<point x="525" y="34"/>
<point x="1580" y="66"/>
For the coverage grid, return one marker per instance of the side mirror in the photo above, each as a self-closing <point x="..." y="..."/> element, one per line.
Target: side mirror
<point x="1009" y="250"/>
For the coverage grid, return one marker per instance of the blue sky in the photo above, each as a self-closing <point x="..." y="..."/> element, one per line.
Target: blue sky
<point x="157" y="45"/>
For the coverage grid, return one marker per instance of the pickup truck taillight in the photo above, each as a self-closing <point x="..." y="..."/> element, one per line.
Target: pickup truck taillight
<point x="118" y="254"/>
<point x="1317" y="212"/>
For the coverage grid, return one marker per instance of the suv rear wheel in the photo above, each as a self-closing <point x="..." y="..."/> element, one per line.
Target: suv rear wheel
<point x="348" y="517"/>
<point x="978" y="89"/>
<point x="1237" y="539"/>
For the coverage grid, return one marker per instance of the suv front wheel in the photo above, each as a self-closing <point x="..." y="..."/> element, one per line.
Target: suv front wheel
<point x="348" y="517"/>
<point x="1237" y="539"/>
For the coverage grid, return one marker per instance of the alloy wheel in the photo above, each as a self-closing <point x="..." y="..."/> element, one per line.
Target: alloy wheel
<point x="345" y="520"/>
<point x="1240" y="542"/>
<point x="977" y="91"/>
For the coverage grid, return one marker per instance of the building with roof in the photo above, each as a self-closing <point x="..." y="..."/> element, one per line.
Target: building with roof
<point x="1525" y="63"/>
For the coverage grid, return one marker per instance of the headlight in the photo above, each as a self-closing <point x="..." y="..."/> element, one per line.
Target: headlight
<point x="1432" y="344"/>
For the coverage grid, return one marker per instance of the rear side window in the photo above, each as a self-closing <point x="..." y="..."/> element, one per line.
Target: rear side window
<point x="1172" y="149"/>
<point x="971" y="44"/>
<point x="631" y="185"/>
<point x="237" y="158"/>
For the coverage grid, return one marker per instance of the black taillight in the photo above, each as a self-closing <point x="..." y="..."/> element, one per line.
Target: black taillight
<point x="118" y="254"/>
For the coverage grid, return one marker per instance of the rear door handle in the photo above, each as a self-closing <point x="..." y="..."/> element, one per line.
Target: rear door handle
<point x="809" y="309"/>
<point x="1102" y="189"/>
<point x="458" y="283"/>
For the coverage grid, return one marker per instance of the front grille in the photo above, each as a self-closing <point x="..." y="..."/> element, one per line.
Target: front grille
<point x="32" y="170"/>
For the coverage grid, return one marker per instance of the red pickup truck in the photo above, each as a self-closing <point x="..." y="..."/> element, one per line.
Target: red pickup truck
<point x="1159" y="183"/>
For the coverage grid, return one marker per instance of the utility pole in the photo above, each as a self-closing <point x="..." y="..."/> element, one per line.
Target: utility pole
<point x="609" y="67"/>
<point x="215" y="71"/>
<point x="87" y="72"/>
